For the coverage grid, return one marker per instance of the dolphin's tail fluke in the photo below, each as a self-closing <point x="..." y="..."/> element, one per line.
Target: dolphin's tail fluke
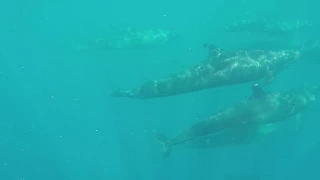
<point x="166" y="145"/>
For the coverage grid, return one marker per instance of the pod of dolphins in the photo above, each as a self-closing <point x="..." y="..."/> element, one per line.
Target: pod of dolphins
<point x="246" y="121"/>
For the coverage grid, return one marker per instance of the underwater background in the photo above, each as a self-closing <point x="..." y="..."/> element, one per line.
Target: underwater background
<point x="58" y="120"/>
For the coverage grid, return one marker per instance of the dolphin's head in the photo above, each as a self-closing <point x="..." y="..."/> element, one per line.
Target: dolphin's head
<point x="285" y="58"/>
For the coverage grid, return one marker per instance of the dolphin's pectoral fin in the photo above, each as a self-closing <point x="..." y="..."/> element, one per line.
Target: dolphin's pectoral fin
<point x="257" y="91"/>
<point x="270" y="77"/>
<point x="214" y="52"/>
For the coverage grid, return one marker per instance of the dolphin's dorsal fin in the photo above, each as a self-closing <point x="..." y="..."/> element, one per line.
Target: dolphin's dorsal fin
<point x="214" y="52"/>
<point x="257" y="91"/>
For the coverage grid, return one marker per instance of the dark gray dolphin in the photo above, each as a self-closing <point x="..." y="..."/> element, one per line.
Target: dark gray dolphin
<point x="261" y="108"/>
<point x="222" y="68"/>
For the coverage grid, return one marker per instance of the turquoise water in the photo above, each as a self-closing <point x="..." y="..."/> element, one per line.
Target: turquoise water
<point x="58" y="120"/>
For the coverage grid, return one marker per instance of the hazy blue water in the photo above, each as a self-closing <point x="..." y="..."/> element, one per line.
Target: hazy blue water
<point x="57" y="120"/>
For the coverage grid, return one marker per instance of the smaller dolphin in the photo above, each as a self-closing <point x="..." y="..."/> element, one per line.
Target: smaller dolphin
<point x="133" y="39"/>
<point x="259" y="109"/>
<point x="269" y="26"/>
<point x="222" y="68"/>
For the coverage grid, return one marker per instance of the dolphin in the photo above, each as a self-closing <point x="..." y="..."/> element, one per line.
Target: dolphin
<point x="270" y="26"/>
<point x="222" y="68"/>
<point x="295" y="34"/>
<point x="132" y="39"/>
<point x="261" y="108"/>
